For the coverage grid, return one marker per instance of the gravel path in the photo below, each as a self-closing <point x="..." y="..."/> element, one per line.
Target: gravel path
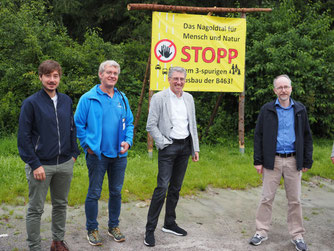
<point x="218" y="219"/>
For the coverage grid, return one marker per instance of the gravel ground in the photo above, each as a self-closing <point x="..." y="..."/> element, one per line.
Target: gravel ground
<point x="218" y="219"/>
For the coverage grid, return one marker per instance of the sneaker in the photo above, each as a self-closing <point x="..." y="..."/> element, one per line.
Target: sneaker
<point x="116" y="234"/>
<point x="174" y="229"/>
<point x="94" y="238"/>
<point x="257" y="239"/>
<point x="59" y="246"/>
<point x="300" y="244"/>
<point x="149" y="239"/>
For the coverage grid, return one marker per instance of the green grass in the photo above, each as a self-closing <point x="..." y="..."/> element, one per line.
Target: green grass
<point x="322" y="165"/>
<point x="220" y="166"/>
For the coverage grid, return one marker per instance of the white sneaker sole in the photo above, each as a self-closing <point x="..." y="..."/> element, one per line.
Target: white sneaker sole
<point x="120" y="240"/>
<point x="147" y="243"/>
<point x="256" y="244"/>
<point x="91" y="243"/>
<point x="171" y="232"/>
<point x="296" y="246"/>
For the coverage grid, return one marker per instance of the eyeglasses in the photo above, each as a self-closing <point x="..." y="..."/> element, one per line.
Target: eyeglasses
<point x="286" y="87"/>
<point x="113" y="73"/>
<point x="178" y="79"/>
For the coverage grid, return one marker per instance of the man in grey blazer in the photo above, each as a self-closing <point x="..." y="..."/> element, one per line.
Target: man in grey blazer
<point x="172" y="124"/>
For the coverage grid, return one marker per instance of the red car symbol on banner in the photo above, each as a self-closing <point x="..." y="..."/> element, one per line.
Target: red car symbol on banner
<point x="165" y="50"/>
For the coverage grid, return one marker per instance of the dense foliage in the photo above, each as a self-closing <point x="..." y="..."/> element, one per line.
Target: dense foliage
<point x="295" y="38"/>
<point x="300" y="43"/>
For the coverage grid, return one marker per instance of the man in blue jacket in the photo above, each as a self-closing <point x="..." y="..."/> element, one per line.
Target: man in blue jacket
<point x="105" y="129"/>
<point x="47" y="144"/>
<point x="282" y="148"/>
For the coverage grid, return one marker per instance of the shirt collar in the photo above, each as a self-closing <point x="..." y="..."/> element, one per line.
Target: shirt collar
<point x="277" y="103"/>
<point x="172" y="94"/>
<point x="99" y="91"/>
<point x="55" y="97"/>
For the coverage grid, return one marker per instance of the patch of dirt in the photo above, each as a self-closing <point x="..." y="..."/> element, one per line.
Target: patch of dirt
<point x="218" y="219"/>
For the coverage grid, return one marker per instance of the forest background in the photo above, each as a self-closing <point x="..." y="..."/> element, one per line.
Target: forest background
<point x="296" y="38"/>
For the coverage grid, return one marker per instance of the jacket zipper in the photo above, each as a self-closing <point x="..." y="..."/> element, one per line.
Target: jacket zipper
<point x="37" y="142"/>
<point x="58" y="135"/>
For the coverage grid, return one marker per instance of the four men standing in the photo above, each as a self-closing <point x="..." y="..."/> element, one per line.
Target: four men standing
<point x="282" y="148"/>
<point x="105" y="129"/>
<point x="104" y="124"/>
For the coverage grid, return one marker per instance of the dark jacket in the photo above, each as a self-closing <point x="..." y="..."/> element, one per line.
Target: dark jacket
<point x="265" y="137"/>
<point x="46" y="136"/>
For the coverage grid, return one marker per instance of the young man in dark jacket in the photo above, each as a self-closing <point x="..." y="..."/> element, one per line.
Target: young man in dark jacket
<point x="47" y="144"/>
<point x="282" y="148"/>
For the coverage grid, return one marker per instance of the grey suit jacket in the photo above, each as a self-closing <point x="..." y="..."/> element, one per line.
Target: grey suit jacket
<point x="159" y="123"/>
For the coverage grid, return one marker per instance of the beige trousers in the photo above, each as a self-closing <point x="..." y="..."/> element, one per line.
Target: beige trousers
<point x="285" y="167"/>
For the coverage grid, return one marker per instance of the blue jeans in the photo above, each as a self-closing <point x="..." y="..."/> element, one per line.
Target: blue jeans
<point x="115" y="168"/>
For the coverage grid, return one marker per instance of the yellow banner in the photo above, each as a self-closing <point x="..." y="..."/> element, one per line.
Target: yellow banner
<point x="211" y="49"/>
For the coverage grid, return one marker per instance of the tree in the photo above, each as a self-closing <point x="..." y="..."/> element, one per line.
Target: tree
<point x="299" y="43"/>
<point x="27" y="37"/>
<point x="296" y="39"/>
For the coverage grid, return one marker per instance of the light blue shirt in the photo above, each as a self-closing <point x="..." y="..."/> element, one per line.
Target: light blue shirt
<point x="286" y="128"/>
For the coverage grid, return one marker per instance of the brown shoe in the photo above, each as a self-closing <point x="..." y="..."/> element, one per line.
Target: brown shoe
<point x="59" y="246"/>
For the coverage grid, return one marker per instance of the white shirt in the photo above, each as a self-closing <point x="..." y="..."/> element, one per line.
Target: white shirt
<point x="179" y="117"/>
<point x="55" y="100"/>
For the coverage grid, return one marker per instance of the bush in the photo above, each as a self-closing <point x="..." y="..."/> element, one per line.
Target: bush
<point x="27" y="38"/>
<point x="299" y="43"/>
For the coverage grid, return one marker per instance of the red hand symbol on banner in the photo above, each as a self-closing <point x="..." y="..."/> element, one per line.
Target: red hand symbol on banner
<point x="165" y="50"/>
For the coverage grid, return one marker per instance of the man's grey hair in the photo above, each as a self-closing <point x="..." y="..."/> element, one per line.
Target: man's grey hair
<point x="177" y="69"/>
<point x="110" y="63"/>
<point x="282" y="76"/>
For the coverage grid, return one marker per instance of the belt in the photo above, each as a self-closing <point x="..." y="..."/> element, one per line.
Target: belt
<point x="285" y="155"/>
<point x="181" y="141"/>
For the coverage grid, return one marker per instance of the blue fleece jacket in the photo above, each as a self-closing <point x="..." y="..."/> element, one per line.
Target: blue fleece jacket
<point x="88" y="119"/>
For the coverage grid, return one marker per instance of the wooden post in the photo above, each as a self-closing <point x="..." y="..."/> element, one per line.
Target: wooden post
<point x="142" y="94"/>
<point x="149" y="137"/>
<point x="191" y="9"/>
<point x="241" y="122"/>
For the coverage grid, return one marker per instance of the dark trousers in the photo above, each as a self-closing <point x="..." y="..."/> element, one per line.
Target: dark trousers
<point x="172" y="164"/>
